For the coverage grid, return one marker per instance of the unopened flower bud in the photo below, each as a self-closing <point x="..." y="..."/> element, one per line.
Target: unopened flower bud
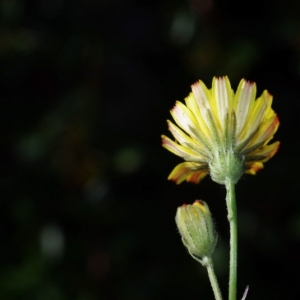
<point x="196" y="228"/>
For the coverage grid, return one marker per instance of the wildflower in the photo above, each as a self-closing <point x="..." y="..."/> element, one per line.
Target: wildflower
<point x="196" y="228"/>
<point x="222" y="133"/>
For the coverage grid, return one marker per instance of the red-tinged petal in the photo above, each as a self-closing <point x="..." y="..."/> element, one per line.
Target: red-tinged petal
<point x="196" y="177"/>
<point x="202" y="94"/>
<point x="263" y="135"/>
<point x="266" y="130"/>
<point x="188" y="171"/>
<point x="253" y="168"/>
<point x="257" y="115"/>
<point x="267" y="151"/>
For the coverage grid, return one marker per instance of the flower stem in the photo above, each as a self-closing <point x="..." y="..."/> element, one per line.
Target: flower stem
<point x="213" y="278"/>
<point x="232" y="218"/>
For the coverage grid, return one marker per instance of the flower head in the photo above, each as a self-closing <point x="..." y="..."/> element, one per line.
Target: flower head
<point x="221" y="132"/>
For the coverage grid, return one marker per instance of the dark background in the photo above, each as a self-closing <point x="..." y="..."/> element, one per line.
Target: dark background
<point x="86" y="87"/>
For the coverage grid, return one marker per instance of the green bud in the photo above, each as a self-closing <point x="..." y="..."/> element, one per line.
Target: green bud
<point x="196" y="228"/>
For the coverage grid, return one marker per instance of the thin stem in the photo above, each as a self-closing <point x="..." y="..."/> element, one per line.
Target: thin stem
<point x="212" y="277"/>
<point x="232" y="218"/>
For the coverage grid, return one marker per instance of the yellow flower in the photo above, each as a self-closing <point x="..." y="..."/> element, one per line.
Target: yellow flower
<point x="222" y="133"/>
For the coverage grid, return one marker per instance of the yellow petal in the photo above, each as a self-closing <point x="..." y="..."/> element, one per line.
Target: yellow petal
<point x="193" y="106"/>
<point x="243" y="103"/>
<point x="204" y="100"/>
<point x="184" y="152"/>
<point x="178" y="134"/>
<point x="185" y="140"/>
<point x="184" y="118"/>
<point x="222" y="96"/>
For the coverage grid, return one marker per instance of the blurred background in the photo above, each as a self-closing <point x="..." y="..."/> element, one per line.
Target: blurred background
<point x="87" y="212"/>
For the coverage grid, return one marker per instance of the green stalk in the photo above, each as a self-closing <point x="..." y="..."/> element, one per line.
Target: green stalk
<point x="232" y="218"/>
<point x="213" y="279"/>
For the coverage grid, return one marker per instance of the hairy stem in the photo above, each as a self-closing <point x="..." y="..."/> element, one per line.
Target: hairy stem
<point x="232" y="218"/>
<point x="212" y="277"/>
